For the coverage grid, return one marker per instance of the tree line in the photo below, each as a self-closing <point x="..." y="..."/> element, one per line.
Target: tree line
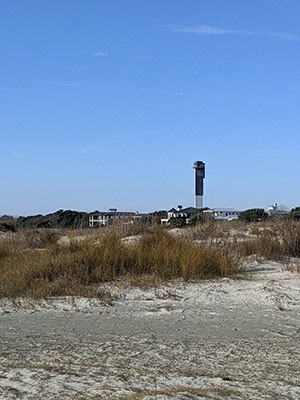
<point x="79" y="220"/>
<point x="58" y="219"/>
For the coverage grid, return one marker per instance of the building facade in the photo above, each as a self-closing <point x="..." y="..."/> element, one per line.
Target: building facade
<point x="274" y="211"/>
<point x="223" y="214"/>
<point x="180" y="212"/>
<point x="97" y="219"/>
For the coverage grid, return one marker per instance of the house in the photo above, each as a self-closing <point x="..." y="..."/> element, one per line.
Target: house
<point x="102" y="218"/>
<point x="180" y="212"/>
<point x="223" y="214"/>
<point x="274" y="211"/>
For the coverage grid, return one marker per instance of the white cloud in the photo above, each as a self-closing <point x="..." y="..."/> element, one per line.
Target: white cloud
<point x="281" y="35"/>
<point x="214" y="31"/>
<point x="88" y="149"/>
<point x="210" y="30"/>
<point x="100" y="54"/>
<point x="70" y="84"/>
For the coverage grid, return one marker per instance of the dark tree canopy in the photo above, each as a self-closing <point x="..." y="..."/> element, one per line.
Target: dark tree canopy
<point x="157" y="216"/>
<point x="58" y="219"/>
<point x="294" y="214"/>
<point x="6" y="226"/>
<point x="177" y="222"/>
<point x="253" y="215"/>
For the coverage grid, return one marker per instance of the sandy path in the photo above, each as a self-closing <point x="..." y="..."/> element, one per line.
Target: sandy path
<point x="226" y="339"/>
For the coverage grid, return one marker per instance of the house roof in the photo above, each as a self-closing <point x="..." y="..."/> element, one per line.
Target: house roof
<point x="187" y="210"/>
<point x="222" y="210"/>
<point x="190" y="210"/>
<point x="278" y="212"/>
<point x="119" y="213"/>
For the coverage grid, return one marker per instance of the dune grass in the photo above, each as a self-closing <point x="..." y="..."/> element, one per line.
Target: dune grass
<point x="274" y="240"/>
<point x="78" y="267"/>
<point x="33" y="264"/>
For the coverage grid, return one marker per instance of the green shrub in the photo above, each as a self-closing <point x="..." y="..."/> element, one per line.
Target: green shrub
<point x="6" y="226"/>
<point x="254" y="215"/>
<point x="294" y="214"/>
<point x="177" y="222"/>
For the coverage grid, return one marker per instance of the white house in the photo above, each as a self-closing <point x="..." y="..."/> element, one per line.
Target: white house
<point x="274" y="211"/>
<point x="223" y="214"/>
<point x="102" y="218"/>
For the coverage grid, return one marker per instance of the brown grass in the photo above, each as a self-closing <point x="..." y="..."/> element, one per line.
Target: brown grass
<point x="31" y="238"/>
<point x="79" y="267"/>
<point x="274" y="240"/>
<point x="33" y="264"/>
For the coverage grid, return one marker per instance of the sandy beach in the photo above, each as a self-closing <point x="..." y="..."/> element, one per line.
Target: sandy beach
<point x="216" y="339"/>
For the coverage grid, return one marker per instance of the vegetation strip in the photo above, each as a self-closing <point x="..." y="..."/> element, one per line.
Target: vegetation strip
<point x="42" y="263"/>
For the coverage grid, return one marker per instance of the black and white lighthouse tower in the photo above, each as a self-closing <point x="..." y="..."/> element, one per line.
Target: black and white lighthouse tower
<point x="199" y="167"/>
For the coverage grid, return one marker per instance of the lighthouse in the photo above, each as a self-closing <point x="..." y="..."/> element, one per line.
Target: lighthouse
<point x="199" y="168"/>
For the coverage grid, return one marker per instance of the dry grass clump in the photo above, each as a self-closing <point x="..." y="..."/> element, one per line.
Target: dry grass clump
<point x="31" y="238"/>
<point x="4" y="252"/>
<point x="117" y="227"/>
<point x="289" y="234"/>
<point x="273" y="240"/>
<point x="263" y="246"/>
<point x="171" y="257"/>
<point x="33" y="264"/>
<point x="216" y="230"/>
<point x="78" y="267"/>
<point x="129" y="229"/>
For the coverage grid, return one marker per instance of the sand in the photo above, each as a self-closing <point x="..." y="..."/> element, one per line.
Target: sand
<point x="216" y="339"/>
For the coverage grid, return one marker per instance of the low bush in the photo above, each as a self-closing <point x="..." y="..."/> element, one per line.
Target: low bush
<point x="6" y="226"/>
<point x="177" y="222"/>
<point x="294" y="214"/>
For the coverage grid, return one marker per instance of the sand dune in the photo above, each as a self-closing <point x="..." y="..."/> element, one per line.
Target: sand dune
<point x="220" y="339"/>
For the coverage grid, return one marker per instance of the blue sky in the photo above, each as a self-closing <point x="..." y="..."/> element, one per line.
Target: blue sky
<point x="107" y="103"/>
